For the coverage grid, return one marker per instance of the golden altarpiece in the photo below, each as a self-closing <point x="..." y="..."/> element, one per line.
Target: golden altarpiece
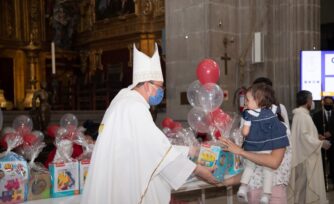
<point x="93" y="47"/>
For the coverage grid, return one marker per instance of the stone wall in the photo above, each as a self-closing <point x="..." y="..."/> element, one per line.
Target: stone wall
<point x="195" y="29"/>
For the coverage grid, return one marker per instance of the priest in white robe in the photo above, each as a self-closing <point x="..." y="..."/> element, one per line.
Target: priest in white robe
<point x="307" y="180"/>
<point x="133" y="161"/>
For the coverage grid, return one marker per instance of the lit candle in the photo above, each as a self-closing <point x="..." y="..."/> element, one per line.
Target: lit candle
<point x="53" y="58"/>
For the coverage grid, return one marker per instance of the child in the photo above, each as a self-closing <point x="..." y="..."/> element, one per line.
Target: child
<point x="263" y="132"/>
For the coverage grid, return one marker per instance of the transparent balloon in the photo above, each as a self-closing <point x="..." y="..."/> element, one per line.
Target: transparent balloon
<point x="69" y="121"/>
<point x="198" y="120"/>
<point x="8" y="130"/>
<point x="39" y="135"/>
<point x="210" y="97"/>
<point x="192" y="93"/>
<point x="11" y="140"/>
<point x="22" y="124"/>
<point x="61" y="134"/>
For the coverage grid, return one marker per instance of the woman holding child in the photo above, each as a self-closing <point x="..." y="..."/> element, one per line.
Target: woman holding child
<point x="278" y="159"/>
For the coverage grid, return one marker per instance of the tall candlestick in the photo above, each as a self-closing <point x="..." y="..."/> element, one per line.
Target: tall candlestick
<point x="53" y="58"/>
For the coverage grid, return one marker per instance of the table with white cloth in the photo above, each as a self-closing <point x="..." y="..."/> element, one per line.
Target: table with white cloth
<point x="191" y="185"/>
<point x="195" y="184"/>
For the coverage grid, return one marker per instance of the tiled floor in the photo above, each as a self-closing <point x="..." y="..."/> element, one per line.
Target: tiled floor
<point x="218" y="196"/>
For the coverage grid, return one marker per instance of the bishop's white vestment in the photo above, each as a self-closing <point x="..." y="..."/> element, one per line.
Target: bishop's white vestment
<point x="307" y="179"/>
<point x="133" y="161"/>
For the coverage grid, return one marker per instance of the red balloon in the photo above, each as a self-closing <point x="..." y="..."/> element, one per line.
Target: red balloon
<point x="177" y="126"/>
<point x="52" y="130"/>
<point x="217" y="134"/>
<point x="208" y="71"/>
<point x="29" y="138"/>
<point x="3" y="141"/>
<point x="168" y="123"/>
<point x="220" y="118"/>
<point x="8" y="136"/>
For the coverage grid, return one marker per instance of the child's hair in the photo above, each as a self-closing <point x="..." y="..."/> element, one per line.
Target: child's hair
<point x="263" y="94"/>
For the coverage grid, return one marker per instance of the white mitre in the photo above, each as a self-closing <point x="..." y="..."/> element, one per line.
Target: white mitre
<point x="145" y="68"/>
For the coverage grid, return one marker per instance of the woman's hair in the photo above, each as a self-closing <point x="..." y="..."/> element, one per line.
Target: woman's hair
<point x="263" y="80"/>
<point x="268" y="82"/>
<point x="263" y="94"/>
<point x="302" y="97"/>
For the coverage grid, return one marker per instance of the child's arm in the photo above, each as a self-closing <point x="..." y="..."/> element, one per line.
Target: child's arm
<point x="246" y="123"/>
<point x="245" y="130"/>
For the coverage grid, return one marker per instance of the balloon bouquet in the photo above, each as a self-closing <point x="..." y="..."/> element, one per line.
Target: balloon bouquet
<point x="206" y="97"/>
<point x="66" y="178"/>
<point x="67" y="134"/>
<point x="22" y="127"/>
<point x="28" y="143"/>
<point x="206" y="116"/>
<point x="181" y="137"/>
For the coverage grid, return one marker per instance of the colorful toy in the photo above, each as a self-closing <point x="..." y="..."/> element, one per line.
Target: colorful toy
<point x="39" y="185"/>
<point x="208" y="155"/>
<point x="64" y="179"/>
<point x="228" y="165"/>
<point x="13" y="179"/>
<point x="83" y="169"/>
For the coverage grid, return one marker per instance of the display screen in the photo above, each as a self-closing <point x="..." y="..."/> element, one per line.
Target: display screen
<point x="317" y="73"/>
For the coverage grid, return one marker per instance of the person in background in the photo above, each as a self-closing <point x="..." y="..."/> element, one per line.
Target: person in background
<point x="307" y="179"/>
<point x="133" y="161"/>
<point x="324" y="121"/>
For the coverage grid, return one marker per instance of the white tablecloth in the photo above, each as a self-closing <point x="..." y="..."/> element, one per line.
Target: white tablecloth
<point x="191" y="185"/>
<point x="64" y="200"/>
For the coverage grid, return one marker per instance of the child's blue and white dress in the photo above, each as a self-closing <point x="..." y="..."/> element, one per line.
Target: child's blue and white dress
<point x="267" y="132"/>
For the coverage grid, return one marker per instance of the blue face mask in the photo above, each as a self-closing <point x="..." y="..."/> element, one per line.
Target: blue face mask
<point x="155" y="100"/>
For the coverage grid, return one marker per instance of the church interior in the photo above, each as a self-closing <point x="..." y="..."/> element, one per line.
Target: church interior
<point x="74" y="56"/>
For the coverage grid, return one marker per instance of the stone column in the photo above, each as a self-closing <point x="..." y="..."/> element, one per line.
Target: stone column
<point x="287" y="27"/>
<point x="194" y="31"/>
<point x="300" y="30"/>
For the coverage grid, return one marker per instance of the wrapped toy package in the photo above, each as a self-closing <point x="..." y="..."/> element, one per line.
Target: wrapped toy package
<point x="234" y="161"/>
<point x="184" y="139"/>
<point x="83" y="169"/>
<point x="13" y="178"/>
<point x="39" y="179"/>
<point x="208" y="155"/>
<point x="228" y="165"/>
<point x="64" y="171"/>
<point x="84" y="158"/>
<point x="64" y="179"/>
<point x="39" y="185"/>
<point x="13" y="171"/>
<point x="233" y="164"/>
